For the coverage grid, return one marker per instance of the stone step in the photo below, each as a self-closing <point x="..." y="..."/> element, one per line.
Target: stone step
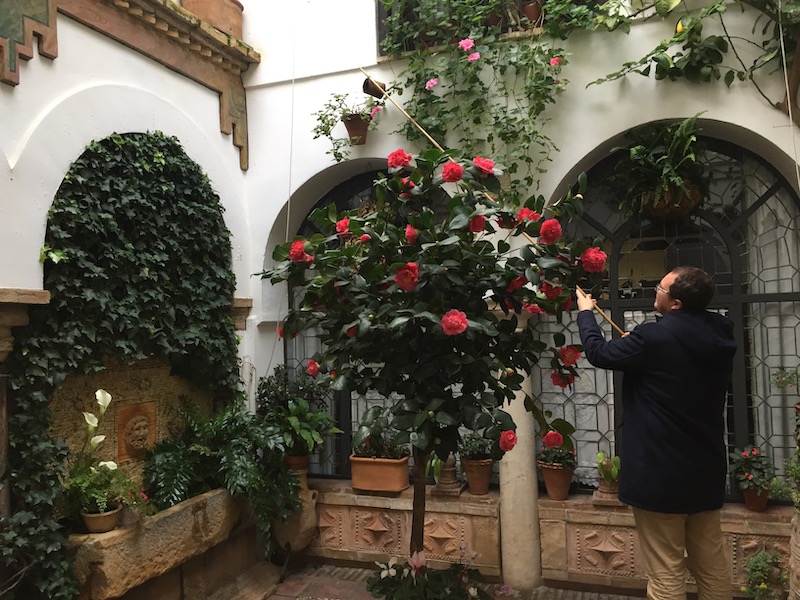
<point x="257" y="583"/>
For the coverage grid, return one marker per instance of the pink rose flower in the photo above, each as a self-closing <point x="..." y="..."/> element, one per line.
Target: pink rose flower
<point x="406" y="278"/>
<point x="555" y="61"/>
<point x="364" y="238"/>
<point x="477" y="223"/>
<point x="552" y="439"/>
<point x="312" y="368"/>
<point x="486" y="165"/>
<point x="431" y="83"/>
<point x="454" y="322"/>
<point x="569" y="355"/>
<point x="474" y="56"/>
<point x="343" y="227"/>
<point x="551" y="292"/>
<point x="562" y="380"/>
<point x="466" y="44"/>
<point x="526" y="214"/>
<point x="411" y="234"/>
<point x="508" y="439"/>
<point x="297" y="252"/>
<point x="398" y="159"/>
<point x="452" y="172"/>
<point x="594" y="260"/>
<point x="550" y="232"/>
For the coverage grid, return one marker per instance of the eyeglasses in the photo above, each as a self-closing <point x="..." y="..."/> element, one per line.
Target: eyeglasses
<point x="662" y="290"/>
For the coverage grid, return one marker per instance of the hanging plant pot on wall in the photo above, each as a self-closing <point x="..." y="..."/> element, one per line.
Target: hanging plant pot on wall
<point x="356" y="129"/>
<point x="673" y="203"/>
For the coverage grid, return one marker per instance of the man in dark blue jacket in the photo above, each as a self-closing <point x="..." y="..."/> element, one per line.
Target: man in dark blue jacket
<point x="673" y="457"/>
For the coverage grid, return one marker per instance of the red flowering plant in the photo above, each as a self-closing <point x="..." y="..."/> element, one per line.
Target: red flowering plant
<point x="429" y="303"/>
<point x="751" y="468"/>
<point x="558" y="446"/>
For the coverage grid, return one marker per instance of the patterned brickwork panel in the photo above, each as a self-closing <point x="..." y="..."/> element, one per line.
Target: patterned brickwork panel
<point x="604" y="551"/>
<point x="377" y="529"/>
<point x="20" y="22"/>
<point x="444" y="536"/>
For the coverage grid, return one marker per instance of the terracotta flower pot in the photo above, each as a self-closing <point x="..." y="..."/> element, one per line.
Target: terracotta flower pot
<point x="479" y="474"/>
<point x="356" y="129"/>
<point x="101" y="522"/>
<point x="756" y="500"/>
<point x="297" y="462"/>
<point x="673" y="203"/>
<point x="557" y="479"/>
<point x="379" y="474"/>
<point x="532" y="11"/>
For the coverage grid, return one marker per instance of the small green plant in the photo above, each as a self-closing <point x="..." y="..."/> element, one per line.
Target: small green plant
<point x="375" y="437"/>
<point x="784" y="378"/>
<point x="337" y="109"/>
<point x="751" y="468"/>
<point x="608" y="467"/>
<point x="474" y="446"/>
<point x="295" y="404"/>
<point x="765" y="578"/>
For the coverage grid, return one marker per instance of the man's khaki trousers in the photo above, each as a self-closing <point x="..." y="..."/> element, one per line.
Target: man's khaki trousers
<point x="675" y="544"/>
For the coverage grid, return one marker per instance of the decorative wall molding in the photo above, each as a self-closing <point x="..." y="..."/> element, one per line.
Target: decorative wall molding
<point x="158" y="29"/>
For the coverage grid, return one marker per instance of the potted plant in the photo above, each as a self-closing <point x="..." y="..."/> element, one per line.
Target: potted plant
<point x="296" y="406"/>
<point x="358" y="118"/>
<point x="476" y="462"/>
<point x="661" y="172"/>
<point x="378" y="463"/>
<point x="557" y="456"/>
<point x="753" y="473"/>
<point x="765" y="578"/>
<point x="98" y="489"/>
<point x="608" y="486"/>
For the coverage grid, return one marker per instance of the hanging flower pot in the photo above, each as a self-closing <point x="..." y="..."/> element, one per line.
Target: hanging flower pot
<point x="101" y="522"/>
<point x="673" y="203"/>
<point x="532" y="12"/>
<point x="356" y="129"/>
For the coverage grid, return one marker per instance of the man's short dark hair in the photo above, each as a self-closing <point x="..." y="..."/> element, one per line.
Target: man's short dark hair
<point x="693" y="287"/>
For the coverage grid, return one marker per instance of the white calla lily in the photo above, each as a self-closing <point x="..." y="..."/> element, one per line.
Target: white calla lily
<point x="91" y="420"/>
<point x="108" y="464"/>
<point x="103" y="399"/>
<point x="96" y="440"/>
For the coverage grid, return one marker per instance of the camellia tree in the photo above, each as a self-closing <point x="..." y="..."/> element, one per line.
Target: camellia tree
<point x="424" y="297"/>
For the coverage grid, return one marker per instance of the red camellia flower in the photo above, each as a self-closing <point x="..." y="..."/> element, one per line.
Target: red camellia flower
<point x="343" y="227"/>
<point x="485" y="165"/>
<point x="477" y="223"/>
<point x="508" y="439"/>
<point x="411" y="234"/>
<point x="312" y="368"/>
<point x="594" y="260"/>
<point x="567" y="305"/>
<point x="365" y="237"/>
<point x="534" y="309"/>
<point x="754" y="451"/>
<point x="551" y="292"/>
<point x="280" y="332"/>
<point x="452" y="172"/>
<point x="526" y="214"/>
<point x="406" y="278"/>
<point x="516" y="284"/>
<point x="550" y="232"/>
<point x="552" y="439"/>
<point x="562" y="380"/>
<point x="569" y="355"/>
<point x="398" y="159"/>
<point x="407" y="184"/>
<point x="351" y="331"/>
<point x="297" y="252"/>
<point x="454" y="322"/>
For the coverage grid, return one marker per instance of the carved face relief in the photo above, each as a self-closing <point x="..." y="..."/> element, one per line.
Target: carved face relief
<point x="137" y="434"/>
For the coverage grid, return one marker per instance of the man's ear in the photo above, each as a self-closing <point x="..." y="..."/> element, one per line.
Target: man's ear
<point x="677" y="304"/>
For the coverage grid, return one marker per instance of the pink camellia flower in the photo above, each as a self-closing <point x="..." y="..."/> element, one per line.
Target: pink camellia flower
<point x="562" y="380"/>
<point x="550" y="232"/>
<point x="365" y="237"/>
<point x="454" y="322"/>
<point x="526" y="214"/>
<point x="312" y="368"/>
<point x="416" y="562"/>
<point x="516" y="284"/>
<point x="411" y="234"/>
<point x="466" y="44"/>
<point x="452" y="172"/>
<point x="375" y="110"/>
<point x="749" y="476"/>
<point x="745" y="454"/>
<point x="486" y="165"/>
<point x="754" y="451"/>
<point x="533" y="309"/>
<point x="477" y="223"/>
<point x="297" y="252"/>
<point x="551" y="292"/>
<point x="569" y="355"/>
<point x="431" y="83"/>
<point x="552" y="439"/>
<point x="555" y="61"/>
<point x="399" y="159"/>
<point x="594" y="260"/>
<point x="343" y="227"/>
<point x="406" y="278"/>
<point x="474" y="56"/>
<point x="508" y="439"/>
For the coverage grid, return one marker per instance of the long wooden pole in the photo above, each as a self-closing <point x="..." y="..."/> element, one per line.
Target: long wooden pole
<point x="600" y="312"/>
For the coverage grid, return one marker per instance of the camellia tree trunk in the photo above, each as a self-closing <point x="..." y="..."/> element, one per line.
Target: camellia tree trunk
<point x="418" y="511"/>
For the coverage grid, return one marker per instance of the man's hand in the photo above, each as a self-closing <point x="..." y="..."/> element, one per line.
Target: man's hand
<point x="586" y="302"/>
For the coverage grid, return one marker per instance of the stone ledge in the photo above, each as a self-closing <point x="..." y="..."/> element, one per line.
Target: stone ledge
<point x="109" y="564"/>
<point x="24" y="296"/>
